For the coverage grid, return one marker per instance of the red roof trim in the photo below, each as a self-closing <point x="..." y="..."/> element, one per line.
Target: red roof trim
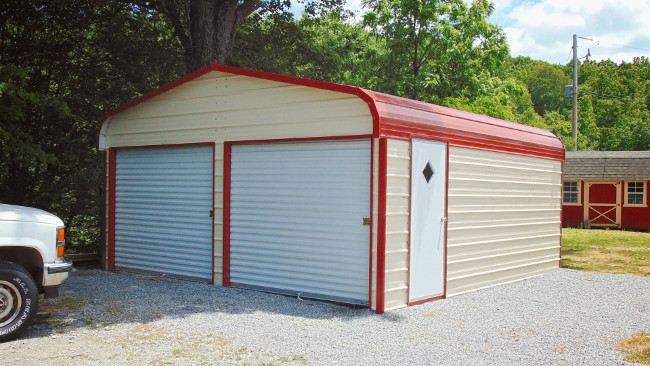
<point x="399" y="117"/>
<point x="361" y="93"/>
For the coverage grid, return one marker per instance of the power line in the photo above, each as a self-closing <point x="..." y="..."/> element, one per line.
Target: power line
<point x="607" y="96"/>
<point x="614" y="44"/>
<point x="569" y="57"/>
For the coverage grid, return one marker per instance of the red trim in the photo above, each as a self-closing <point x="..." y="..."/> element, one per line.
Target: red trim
<point x="111" y="209"/>
<point x="562" y="210"/>
<point x="302" y="139"/>
<point x="381" y="226"/>
<point x="372" y="178"/>
<point x="408" y="290"/>
<point x="214" y="181"/>
<point x="426" y="300"/>
<point x="226" y="214"/>
<point x="444" y="294"/>
<point x="474" y="141"/>
<point x="103" y="248"/>
<point x="347" y="89"/>
<point x="400" y="117"/>
<point x="141" y="147"/>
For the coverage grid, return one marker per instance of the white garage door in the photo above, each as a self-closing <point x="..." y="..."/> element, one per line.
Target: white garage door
<point x="163" y="199"/>
<point x="297" y="219"/>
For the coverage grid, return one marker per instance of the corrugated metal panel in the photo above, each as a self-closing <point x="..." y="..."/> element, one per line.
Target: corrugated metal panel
<point x="504" y="218"/>
<point x="398" y="184"/>
<point x="226" y="107"/>
<point x="296" y="218"/>
<point x="163" y="199"/>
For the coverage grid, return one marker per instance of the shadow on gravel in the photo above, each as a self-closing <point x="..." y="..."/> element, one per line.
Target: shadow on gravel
<point x="95" y="299"/>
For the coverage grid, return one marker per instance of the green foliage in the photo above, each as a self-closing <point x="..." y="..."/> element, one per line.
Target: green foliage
<point x="507" y="100"/>
<point x="546" y="86"/>
<point x="63" y="65"/>
<point x="436" y="49"/>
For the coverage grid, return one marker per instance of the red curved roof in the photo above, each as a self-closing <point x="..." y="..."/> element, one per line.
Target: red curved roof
<point x="399" y="117"/>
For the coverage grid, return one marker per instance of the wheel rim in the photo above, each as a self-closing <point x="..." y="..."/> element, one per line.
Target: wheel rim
<point x="10" y="303"/>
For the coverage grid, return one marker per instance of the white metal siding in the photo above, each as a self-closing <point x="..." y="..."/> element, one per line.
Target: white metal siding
<point x="163" y="199"/>
<point x="504" y="218"/>
<point x="398" y="186"/>
<point x="296" y="219"/>
<point x="218" y="107"/>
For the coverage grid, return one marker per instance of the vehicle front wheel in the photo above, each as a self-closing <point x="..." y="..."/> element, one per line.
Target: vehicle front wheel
<point x="18" y="300"/>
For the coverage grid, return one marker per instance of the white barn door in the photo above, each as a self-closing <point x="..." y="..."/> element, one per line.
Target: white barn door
<point x="428" y="199"/>
<point x="297" y="218"/>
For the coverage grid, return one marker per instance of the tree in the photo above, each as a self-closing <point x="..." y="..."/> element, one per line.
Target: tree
<point x="546" y="86"/>
<point x="324" y="45"/>
<point x="63" y="64"/>
<point x="436" y="48"/>
<point x="207" y="29"/>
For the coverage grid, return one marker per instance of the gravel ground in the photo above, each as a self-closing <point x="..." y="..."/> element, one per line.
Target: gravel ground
<point x="563" y="317"/>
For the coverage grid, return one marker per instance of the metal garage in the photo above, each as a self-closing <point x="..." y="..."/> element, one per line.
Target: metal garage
<point x="326" y="191"/>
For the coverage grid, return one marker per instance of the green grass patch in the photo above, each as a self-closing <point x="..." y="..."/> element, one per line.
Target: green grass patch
<point x="609" y="251"/>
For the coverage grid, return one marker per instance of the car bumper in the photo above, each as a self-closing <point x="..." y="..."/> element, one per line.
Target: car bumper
<point x="55" y="273"/>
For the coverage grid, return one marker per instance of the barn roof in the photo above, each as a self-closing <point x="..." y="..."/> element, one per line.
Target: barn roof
<point x="607" y="165"/>
<point x="405" y="118"/>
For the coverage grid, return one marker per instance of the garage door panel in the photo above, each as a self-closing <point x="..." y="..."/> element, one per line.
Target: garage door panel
<point x="300" y="281"/>
<point x="296" y="218"/>
<point x="163" y="199"/>
<point x="328" y="250"/>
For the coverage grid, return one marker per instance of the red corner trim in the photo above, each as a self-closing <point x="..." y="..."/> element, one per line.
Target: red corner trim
<point x="103" y="249"/>
<point x="372" y="223"/>
<point x="381" y="226"/>
<point x="444" y="293"/>
<point x="214" y="181"/>
<point x="111" y="209"/>
<point x="562" y="208"/>
<point x="226" y="214"/>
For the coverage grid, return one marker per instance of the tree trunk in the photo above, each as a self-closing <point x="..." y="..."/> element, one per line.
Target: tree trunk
<point x="212" y="30"/>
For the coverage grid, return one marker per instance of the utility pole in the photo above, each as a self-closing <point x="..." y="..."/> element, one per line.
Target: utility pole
<point x="574" y="129"/>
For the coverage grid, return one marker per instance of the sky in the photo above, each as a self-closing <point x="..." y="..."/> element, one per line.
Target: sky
<point x="543" y="29"/>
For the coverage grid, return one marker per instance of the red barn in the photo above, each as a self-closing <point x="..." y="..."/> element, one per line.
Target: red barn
<point x="606" y="189"/>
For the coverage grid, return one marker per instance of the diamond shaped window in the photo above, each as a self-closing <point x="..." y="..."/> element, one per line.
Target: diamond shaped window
<point x="428" y="172"/>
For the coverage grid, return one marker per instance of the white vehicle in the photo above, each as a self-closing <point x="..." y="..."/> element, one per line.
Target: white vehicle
<point x="31" y="262"/>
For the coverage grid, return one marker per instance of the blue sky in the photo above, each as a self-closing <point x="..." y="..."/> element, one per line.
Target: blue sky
<point x="543" y="29"/>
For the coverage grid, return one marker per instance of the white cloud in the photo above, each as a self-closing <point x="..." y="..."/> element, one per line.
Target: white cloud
<point x="543" y="29"/>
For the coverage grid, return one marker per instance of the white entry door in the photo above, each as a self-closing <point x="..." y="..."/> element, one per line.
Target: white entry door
<point x="428" y="199"/>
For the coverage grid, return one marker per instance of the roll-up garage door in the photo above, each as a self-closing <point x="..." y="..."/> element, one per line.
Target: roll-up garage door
<point x="297" y="215"/>
<point x="163" y="200"/>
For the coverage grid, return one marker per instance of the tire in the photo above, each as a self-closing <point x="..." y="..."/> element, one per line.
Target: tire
<point x="18" y="300"/>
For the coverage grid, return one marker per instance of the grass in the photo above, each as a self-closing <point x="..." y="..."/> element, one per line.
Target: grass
<point x="636" y="347"/>
<point x="609" y="251"/>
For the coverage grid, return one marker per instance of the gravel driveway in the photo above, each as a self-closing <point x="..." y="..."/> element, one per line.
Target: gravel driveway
<point x="564" y="317"/>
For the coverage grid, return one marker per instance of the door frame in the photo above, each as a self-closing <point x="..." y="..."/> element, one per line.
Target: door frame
<point x="446" y="224"/>
<point x="588" y="205"/>
<point x="227" y="162"/>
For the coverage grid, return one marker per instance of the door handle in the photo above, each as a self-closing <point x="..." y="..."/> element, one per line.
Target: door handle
<point x="443" y="219"/>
